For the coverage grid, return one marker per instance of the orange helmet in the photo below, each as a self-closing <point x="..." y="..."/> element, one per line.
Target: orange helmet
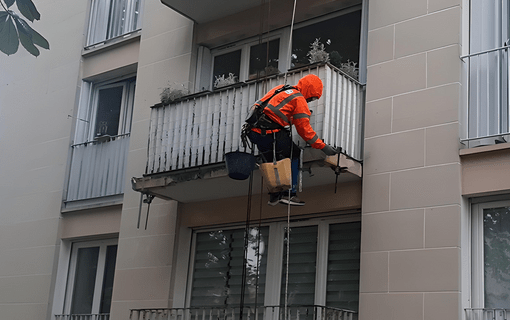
<point x="310" y="86"/>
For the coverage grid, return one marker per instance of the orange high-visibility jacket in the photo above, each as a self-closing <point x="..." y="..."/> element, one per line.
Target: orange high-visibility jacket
<point x="290" y="107"/>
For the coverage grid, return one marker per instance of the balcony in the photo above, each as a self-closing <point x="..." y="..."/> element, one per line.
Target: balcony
<point x="189" y="138"/>
<point x="487" y="314"/>
<point x="97" y="169"/>
<point x="247" y="313"/>
<point x="487" y="116"/>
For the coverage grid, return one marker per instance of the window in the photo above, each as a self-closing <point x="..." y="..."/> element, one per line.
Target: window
<point x="253" y="58"/>
<point x="488" y="71"/>
<point x="103" y="125"/>
<point x="90" y="280"/>
<point x="113" y="18"/>
<point x="105" y="109"/>
<point x="491" y="257"/>
<point x="245" y="61"/>
<point x="323" y="266"/>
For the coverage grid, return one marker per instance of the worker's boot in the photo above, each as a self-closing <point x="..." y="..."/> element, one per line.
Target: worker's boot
<point x="293" y="200"/>
<point x="274" y="198"/>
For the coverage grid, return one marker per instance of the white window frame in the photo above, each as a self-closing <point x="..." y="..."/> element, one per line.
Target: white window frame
<point x="205" y="77"/>
<point x="477" y="251"/>
<point x="87" y="110"/>
<point x="67" y="270"/>
<point x="99" y="30"/>
<point x="274" y="258"/>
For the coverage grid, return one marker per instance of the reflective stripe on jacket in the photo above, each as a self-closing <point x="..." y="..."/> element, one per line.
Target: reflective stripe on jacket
<point x="290" y="107"/>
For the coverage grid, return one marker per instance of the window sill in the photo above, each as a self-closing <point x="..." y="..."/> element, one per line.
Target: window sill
<point x="112" y="43"/>
<point x="70" y="206"/>
<point x="484" y="149"/>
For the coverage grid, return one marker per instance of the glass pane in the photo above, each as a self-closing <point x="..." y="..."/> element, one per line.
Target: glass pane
<point x="340" y="37"/>
<point x="227" y="68"/>
<point x="264" y="60"/>
<point x="109" y="272"/>
<point x="84" y="281"/>
<point x="117" y="18"/>
<point x="217" y="274"/>
<point x="496" y="224"/>
<point x="342" y="289"/>
<point x="108" y="111"/>
<point x="302" y="265"/>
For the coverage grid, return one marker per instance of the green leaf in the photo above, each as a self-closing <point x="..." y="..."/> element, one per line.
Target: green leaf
<point x="9" y="41"/>
<point x="9" y="3"/>
<point x="25" y="38"/>
<point x="36" y="37"/>
<point x="28" y="9"/>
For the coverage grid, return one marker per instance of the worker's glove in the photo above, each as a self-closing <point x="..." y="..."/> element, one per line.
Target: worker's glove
<point x="331" y="151"/>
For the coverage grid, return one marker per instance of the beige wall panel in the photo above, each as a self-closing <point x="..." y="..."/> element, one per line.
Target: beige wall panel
<point x="110" y="59"/>
<point x="26" y="261"/>
<point x="436" y="5"/>
<point x="24" y="311"/>
<point x="139" y="138"/>
<point x="425" y="270"/>
<point x="35" y="233"/>
<point x="425" y="187"/>
<point x="427" y="32"/>
<point x="381" y="45"/>
<point x="394" y="152"/>
<point x="161" y="19"/>
<point x="426" y="108"/>
<point x="94" y="222"/>
<point x="374" y="271"/>
<point x="169" y="44"/>
<point x="32" y="207"/>
<point x="442" y="227"/>
<point x="386" y="12"/>
<point x="443" y="66"/>
<point x="376" y="193"/>
<point x="396" y="77"/>
<point x="144" y="252"/>
<point x="25" y="289"/>
<point x="441" y="305"/>
<point x="162" y="216"/>
<point x="486" y="172"/>
<point x="378" y="117"/>
<point x="388" y="306"/>
<point x="318" y="199"/>
<point x="142" y="284"/>
<point x="442" y="144"/>
<point x="393" y="230"/>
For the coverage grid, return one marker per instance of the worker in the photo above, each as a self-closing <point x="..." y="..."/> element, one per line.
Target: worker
<point x="286" y="108"/>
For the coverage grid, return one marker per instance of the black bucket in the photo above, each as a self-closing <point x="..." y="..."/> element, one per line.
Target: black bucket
<point x="239" y="164"/>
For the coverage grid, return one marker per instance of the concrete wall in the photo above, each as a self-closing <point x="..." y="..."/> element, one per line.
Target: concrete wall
<point x="36" y="96"/>
<point x="144" y="260"/>
<point x="410" y="264"/>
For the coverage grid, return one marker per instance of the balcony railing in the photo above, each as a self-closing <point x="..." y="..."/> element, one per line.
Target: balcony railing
<point x="488" y="101"/>
<point x="200" y="129"/>
<point x="248" y="313"/>
<point x="102" y="316"/>
<point x="487" y="314"/>
<point x="97" y="168"/>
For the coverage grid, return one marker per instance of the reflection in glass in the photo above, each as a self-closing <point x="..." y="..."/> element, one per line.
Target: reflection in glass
<point x="108" y="111"/>
<point x="217" y="274"/>
<point x="264" y="60"/>
<point x="496" y="224"/>
<point x="84" y="280"/>
<point x="227" y="67"/>
<point x="302" y="265"/>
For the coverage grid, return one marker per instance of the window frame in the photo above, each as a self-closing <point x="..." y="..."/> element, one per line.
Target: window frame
<point x="477" y="250"/>
<point x="275" y="249"/>
<point x="98" y="29"/>
<point x="87" y="109"/>
<point x="205" y="77"/>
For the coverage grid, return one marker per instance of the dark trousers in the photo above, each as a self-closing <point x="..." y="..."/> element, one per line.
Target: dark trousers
<point x="283" y="148"/>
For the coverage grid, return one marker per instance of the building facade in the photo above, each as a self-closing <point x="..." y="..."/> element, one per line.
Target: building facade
<point x="116" y="201"/>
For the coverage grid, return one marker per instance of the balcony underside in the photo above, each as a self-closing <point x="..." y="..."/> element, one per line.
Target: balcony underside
<point x="212" y="182"/>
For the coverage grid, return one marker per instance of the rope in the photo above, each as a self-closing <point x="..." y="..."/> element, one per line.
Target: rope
<point x="290" y="37"/>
